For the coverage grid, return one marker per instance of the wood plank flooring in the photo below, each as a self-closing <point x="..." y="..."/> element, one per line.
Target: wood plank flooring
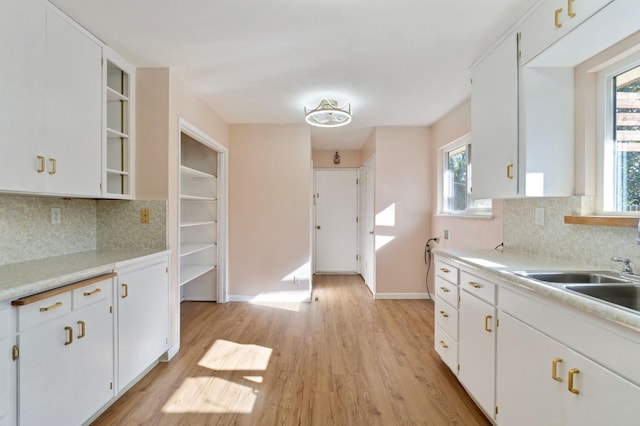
<point x="344" y="359"/>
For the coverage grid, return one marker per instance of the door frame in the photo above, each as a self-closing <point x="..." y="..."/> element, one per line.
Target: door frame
<point x="313" y="215"/>
<point x="363" y="214"/>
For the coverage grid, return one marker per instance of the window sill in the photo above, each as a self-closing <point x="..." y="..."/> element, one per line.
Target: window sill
<point x="466" y="216"/>
<point x="623" y="221"/>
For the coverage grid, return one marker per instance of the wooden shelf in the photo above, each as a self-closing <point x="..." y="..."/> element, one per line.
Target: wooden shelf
<point x="189" y="272"/>
<point x="623" y="221"/>
<point x="114" y="95"/>
<point x="117" y="172"/>
<point x="111" y="133"/>
<point x="196" y="198"/>
<point x="190" y="248"/>
<point x="189" y="172"/>
<point x="198" y="223"/>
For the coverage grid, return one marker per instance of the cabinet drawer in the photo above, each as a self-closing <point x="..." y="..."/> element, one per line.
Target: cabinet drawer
<point x="481" y="288"/>
<point x="447" y="348"/>
<point x="92" y="293"/>
<point x="4" y="323"/>
<point x="447" y="291"/>
<point x="446" y="271"/>
<point x="447" y="318"/>
<point x="43" y="310"/>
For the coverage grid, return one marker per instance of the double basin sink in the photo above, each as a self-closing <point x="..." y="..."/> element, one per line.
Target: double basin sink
<point x="604" y="286"/>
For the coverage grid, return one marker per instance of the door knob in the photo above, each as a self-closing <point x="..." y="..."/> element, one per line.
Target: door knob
<point x="318" y="227"/>
<point x="371" y="232"/>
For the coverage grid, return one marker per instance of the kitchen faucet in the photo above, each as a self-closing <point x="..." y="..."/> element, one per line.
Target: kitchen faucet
<point x="626" y="267"/>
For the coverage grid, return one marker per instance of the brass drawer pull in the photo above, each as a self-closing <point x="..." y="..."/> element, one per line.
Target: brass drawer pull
<point x="570" y="387"/>
<point x="92" y="292"/>
<point x="556" y="20"/>
<point x="475" y="284"/>
<point x="445" y="270"/>
<point x="554" y="369"/>
<point x="443" y="344"/>
<point x="82" y="329"/>
<point x="125" y="291"/>
<point x="69" y="332"/>
<point x="486" y="323"/>
<point x="445" y="290"/>
<point x="570" y="11"/>
<point x="510" y="171"/>
<point x="444" y="314"/>
<point x="51" y="308"/>
<point x="40" y="164"/>
<point x="53" y="166"/>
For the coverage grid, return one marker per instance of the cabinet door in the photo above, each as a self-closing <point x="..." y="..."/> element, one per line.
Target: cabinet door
<point x="526" y="393"/>
<point x="477" y="350"/>
<point x="45" y="371"/>
<point x="93" y="346"/>
<point x="494" y="122"/>
<point x="22" y="85"/>
<point x="143" y="320"/>
<point x="7" y="366"/>
<point x="73" y="109"/>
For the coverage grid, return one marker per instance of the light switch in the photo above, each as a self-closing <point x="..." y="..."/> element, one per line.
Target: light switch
<point x="145" y="215"/>
<point x="539" y="212"/>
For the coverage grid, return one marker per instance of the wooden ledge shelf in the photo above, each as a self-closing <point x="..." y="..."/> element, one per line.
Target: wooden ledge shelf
<point x="624" y="221"/>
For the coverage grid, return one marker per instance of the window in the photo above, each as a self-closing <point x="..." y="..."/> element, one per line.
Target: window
<point x="456" y="181"/>
<point x="621" y="135"/>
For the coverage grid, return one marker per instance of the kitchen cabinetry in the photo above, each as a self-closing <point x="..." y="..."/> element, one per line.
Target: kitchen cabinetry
<point x="65" y="365"/>
<point x="541" y="381"/>
<point x="143" y="317"/>
<point x="118" y="148"/>
<point x="198" y="220"/>
<point x="477" y="341"/>
<point x="552" y="20"/>
<point x="446" y="313"/>
<point x="51" y="102"/>
<point x="7" y="366"/>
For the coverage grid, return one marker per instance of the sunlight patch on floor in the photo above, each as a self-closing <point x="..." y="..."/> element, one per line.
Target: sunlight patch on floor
<point x="231" y="356"/>
<point x="211" y="395"/>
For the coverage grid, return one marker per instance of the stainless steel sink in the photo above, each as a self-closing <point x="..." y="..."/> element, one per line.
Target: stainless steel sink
<point x="574" y="277"/>
<point x="627" y="295"/>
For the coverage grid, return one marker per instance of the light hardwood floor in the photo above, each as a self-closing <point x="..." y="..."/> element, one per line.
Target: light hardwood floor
<point x="344" y="359"/>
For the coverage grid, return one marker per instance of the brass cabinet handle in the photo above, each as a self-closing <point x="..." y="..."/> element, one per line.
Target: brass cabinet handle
<point x="40" y="164"/>
<point x="51" y="308"/>
<point x="570" y="11"/>
<point x="444" y="289"/>
<point x="69" y="332"/>
<point x="125" y="291"/>
<point x="445" y="270"/>
<point x="53" y="166"/>
<point x="15" y="353"/>
<point x="570" y="387"/>
<point x="475" y="284"/>
<point x="510" y="171"/>
<point x="554" y="369"/>
<point x="486" y="323"/>
<point x="557" y="22"/>
<point x="92" y="292"/>
<point x="82" y="329"/>
<point x="443" y="344"/>
<point x="444" y="314"/>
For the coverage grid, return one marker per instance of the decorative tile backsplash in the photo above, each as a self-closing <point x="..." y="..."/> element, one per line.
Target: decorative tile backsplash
<point x="591" y="246"/>
<point x="26" y="232"/>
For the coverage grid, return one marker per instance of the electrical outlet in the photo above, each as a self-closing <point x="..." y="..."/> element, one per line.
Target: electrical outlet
<point x="145" y="215"/>
<point x="56" y="216"/>
<point x="539" y="216"/>
<point x="446" y="234"/>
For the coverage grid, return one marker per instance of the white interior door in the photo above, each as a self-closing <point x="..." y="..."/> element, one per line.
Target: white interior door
<point x="336" y="229"/>
<point x="368" y="267"/>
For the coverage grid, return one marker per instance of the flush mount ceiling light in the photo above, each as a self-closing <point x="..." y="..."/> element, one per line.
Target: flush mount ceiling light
<point x="328" y="114"/>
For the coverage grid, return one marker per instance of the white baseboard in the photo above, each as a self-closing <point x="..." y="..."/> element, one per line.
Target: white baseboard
<point x="270" y="298"/>
<point x="401" y="296"/>
<point x="173" y="350"/>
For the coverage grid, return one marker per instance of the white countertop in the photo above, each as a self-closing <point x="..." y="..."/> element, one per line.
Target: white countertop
<point x="21" y="279"/>
<point x="504" y="263"/>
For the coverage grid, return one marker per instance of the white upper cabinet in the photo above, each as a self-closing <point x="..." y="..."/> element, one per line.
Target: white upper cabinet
<point x="494" y="122"/>
<point x="551" y="21"/>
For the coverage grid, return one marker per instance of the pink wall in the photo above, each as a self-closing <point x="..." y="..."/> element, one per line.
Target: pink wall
<point x="324" y="159"/>
<point x="368" y="148"/>
<point x="270" y="187"/>
<point x="403" y="179"/>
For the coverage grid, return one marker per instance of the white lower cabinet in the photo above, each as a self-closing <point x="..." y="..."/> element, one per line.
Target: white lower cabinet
<point x="542" y="382"/>
<point x="7" y="366"/>
<point x="65" y="367"/>
<point x="477" y="349"/>
<point x="143" y="317"/>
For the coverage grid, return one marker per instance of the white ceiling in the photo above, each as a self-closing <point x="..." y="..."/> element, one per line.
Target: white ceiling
<point x="399" y="62"/>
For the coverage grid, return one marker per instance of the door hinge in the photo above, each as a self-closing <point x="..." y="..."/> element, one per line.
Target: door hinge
<point x="458" y="368"/>
<point x="357" y="257"/>
<point x="497" y="323"/>
<point x="496" y="409"/>
<point x="166" y="269"/>
<point x="15" y="352"/>
<point x="357" y="181"/>
<point x="111" y="385"/>
<point x="357" y="219"/>
<point x="110" y="309"/>
<point x="101" y="61"/>
<point x="100" y="186"/>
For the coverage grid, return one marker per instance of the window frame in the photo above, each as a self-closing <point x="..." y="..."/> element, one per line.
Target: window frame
<point x="472" y="208"/>
<point x="605" y="134"/>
